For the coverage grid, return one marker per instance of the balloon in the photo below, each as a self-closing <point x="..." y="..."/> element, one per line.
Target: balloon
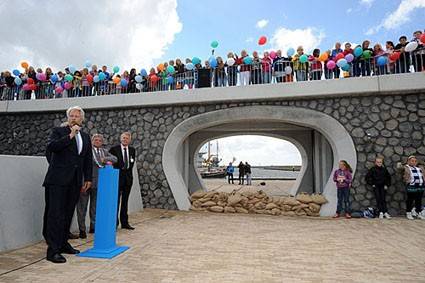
<point x="290" y="52"/>
<point x="247" y="60"/>
<point x="367" y="54"/>
<point x="349" y="57"/>
<point x="143" y="72"/>
<point x="395" y="56"/>
<point x="262" y="40"/>
<point x="116" y="80"/>
<point x="323" y="57"/>
<point x="116" y="69"/>
<point x="381" y="61"/>
<point x="339" y="56"/>
<point x="33" y="87"/>
<point x="102" y="76"/>
<point x="345" y="67"/>
<point x="89" y="78"/>
<point x="411" y="46"/>
<point x="26" y="87"/>
<point x="41" y="77"/>
<point x="330" y="65"/>
<point x="69" y="78"/>
<point x="87" y="64"/>
<point x="196" y="61"/>
<point x="68" y="85"/>
<point x="303" y="58"/>
<point x="58" y="89"/>
<point x="96" y="79"/>
<point x="30" y="81"/>
<point x="358" y="51"/>
<point x="341" y="62"/>
<point x="170" y="80"/>
<point x="160" y="67"/>
<point x="422" y="38"/>
<point x="311" y="58"/>
<point x="214" y="44"/>
<point x="18" y="81"/>
<point x="272" y="54"/>
<point x="54" y="78"/>
<point x="72" y="69"/>
<point x="16" y="72"/>
<point x="124" y="82"/>
<point x="213" y="62"/>
<point x="154" y="79"/>
<point x="230" y="61"/>
<point x="24" y="64"/>
<point x="190" y="66"/>
<point x="139" y="86"/>
<point x="170" y="69"/>
<point x="138" y="79"/>
<point x="288" y="70"/>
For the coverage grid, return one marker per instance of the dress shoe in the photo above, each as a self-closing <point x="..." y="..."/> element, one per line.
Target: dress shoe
<point x="56" y="258"/>
<point x="83" y="235"/>
<point x="91" y="231"/>
<point x="70" y="250"/>
<point x="72" y="236"/>
<point x="127" y="226"/>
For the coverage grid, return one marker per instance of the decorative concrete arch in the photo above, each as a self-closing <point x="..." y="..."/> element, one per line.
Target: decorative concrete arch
<point x="339" y="139"/>
<point x="300" y="148"/>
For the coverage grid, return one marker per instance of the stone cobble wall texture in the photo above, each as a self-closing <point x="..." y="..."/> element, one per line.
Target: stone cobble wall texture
<point x="388" y="125"/>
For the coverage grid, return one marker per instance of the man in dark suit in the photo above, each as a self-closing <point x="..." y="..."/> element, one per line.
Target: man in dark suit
<point x="126" y="156"/>
<point x="70" y="163"/>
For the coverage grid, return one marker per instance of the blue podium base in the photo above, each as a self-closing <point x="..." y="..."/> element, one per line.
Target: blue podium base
<point x="102" y="253"/>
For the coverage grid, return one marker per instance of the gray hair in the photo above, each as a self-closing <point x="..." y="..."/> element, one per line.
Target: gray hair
<point x="126" y="134"/>
<point x="70" y="109"/>
<point x="97" y="136"/>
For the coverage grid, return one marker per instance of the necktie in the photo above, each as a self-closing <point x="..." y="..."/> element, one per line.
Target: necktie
<point x="79" y="141"/>
<point x="125" y="158"/>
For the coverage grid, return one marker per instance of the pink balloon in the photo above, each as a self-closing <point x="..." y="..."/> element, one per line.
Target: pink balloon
<point x="26" y="87"/>
<point x="68" y="85"/>
<point x="331" y="64"/>
<point x="272" y="54"/>
<point x="58" y="89"/>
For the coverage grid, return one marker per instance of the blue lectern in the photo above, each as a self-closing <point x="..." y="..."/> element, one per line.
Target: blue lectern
<point x="106" y="216"/>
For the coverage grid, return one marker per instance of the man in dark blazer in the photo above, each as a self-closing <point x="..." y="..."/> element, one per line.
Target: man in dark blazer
<point x="126" y="156"/>
<point x="69" y="172"/>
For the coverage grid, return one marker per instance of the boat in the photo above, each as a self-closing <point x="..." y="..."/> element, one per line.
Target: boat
<point x="209" y="167"/>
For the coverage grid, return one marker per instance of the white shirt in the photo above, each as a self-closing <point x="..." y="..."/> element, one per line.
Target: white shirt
<point x="128" y="154"/>
<point x="79" y="141"/>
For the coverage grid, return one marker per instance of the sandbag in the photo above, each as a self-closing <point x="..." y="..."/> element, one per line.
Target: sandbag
<point x="319" y="199"/>
<point x="304" y="198"/>
<point x="216" y="208"/>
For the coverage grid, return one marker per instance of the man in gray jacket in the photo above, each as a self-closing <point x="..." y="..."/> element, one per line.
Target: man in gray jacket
<point x="100" y="158"/>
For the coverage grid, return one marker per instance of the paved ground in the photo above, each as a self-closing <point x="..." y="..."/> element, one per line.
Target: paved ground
<point x="207" y="247"/>
<point x="271" y="187"/>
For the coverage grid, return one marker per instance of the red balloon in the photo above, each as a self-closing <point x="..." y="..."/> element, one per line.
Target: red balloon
<point x="395" y="56"/>
<point x="422" y="38"/>
<point x="89" y="78"/>
<point x="30" y="81"/>
<point x="262" y="40"/>
<point x="33" y="87"/>
<point x="59" y="89"/>
<point x="154" y="79"/>
<point x="339" y="56"/>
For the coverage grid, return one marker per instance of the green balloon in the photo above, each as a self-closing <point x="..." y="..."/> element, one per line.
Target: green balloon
<point x="214" y="44"/>
<point x="116" y="69"/>
<point x="367" y="54"/>
<point x="303" y="58"/>
<point x="68" y="78"/>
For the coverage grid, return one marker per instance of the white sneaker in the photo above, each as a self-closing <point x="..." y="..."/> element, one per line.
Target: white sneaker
<point x="387" y="215"/>
<point x="381" y="215"/>
<point x="414" y="213"/>
<point x="421" y="215"/>
<point x="409" y="216"/>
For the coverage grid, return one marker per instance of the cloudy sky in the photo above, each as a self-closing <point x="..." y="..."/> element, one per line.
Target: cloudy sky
<point x="144" y="33"/>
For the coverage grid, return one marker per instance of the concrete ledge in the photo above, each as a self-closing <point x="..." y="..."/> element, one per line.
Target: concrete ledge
<point x="406" y="83"/>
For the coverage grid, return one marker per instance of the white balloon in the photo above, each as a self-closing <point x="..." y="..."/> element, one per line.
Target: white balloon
<point x="411" y="46"/>
<point x="288" y="70"/>
<point x="230" y="61"/>
<point x="139" y="86"/>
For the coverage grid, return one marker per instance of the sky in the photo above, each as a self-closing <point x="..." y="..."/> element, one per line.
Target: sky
<point x="143" y="33"/>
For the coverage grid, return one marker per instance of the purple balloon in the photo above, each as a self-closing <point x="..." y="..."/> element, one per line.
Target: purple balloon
<point x="349" y="57"/>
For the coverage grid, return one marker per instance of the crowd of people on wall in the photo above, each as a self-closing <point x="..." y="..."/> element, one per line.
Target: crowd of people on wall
<point x="345" y="60"/>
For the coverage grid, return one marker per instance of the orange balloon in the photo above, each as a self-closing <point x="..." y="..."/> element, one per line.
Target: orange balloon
<point x="323" y="57"/>
<point x="116" y="80"/>
<point x="24" y="64"/>
<point x="160" y="67"/>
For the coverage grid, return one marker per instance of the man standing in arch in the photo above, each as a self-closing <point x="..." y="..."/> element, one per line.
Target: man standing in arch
<point x="126" y="156"/>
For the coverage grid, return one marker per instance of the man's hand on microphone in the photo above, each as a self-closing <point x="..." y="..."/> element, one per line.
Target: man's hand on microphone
<point x="74" y="131"/>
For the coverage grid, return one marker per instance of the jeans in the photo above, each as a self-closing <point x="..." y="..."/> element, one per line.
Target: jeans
<point x="343" y="195"/>
<point x="230" y="177"/>
<point x="301" y="75"/>
<point x="248" y="179"/>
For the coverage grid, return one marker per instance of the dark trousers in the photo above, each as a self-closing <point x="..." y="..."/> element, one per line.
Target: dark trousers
<point x="415" y="197"/>
<point x="59" y="210"/>
<point x="343" y="195"/>
<point x="241" y="177"/>
<point x="230" y="177"/>
<point x="380" y="194"/>
<point x="123" y="195"/>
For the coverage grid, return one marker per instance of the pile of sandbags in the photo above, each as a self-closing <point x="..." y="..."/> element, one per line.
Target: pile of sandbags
<point x="257" y="202"/>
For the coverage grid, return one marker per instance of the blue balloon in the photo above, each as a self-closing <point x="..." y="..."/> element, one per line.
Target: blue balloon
<point x="124" y="82"/>
<point x="381" y="61"/>
<point x="213" y="62"/>
<point x="247" y="60"/>
<point x="54" y="78"/>
<point x="144" y="73"/>
<point x="87" y="64"/>
<point x="196" y="61"/>
<point x="96" y="79"/>
<point x="138" y="79"/>
<point x="16" y="72"/>
<point x="290" y="52"/>
<point x="358" y="51"/>
<point x="170" y="80"/>
<point x="102" y="76"/>
<point x="18" y="81"/>
<point x="190" y="66"/>
<point x="345" y="67"/>
<point x="72" y="69"/>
